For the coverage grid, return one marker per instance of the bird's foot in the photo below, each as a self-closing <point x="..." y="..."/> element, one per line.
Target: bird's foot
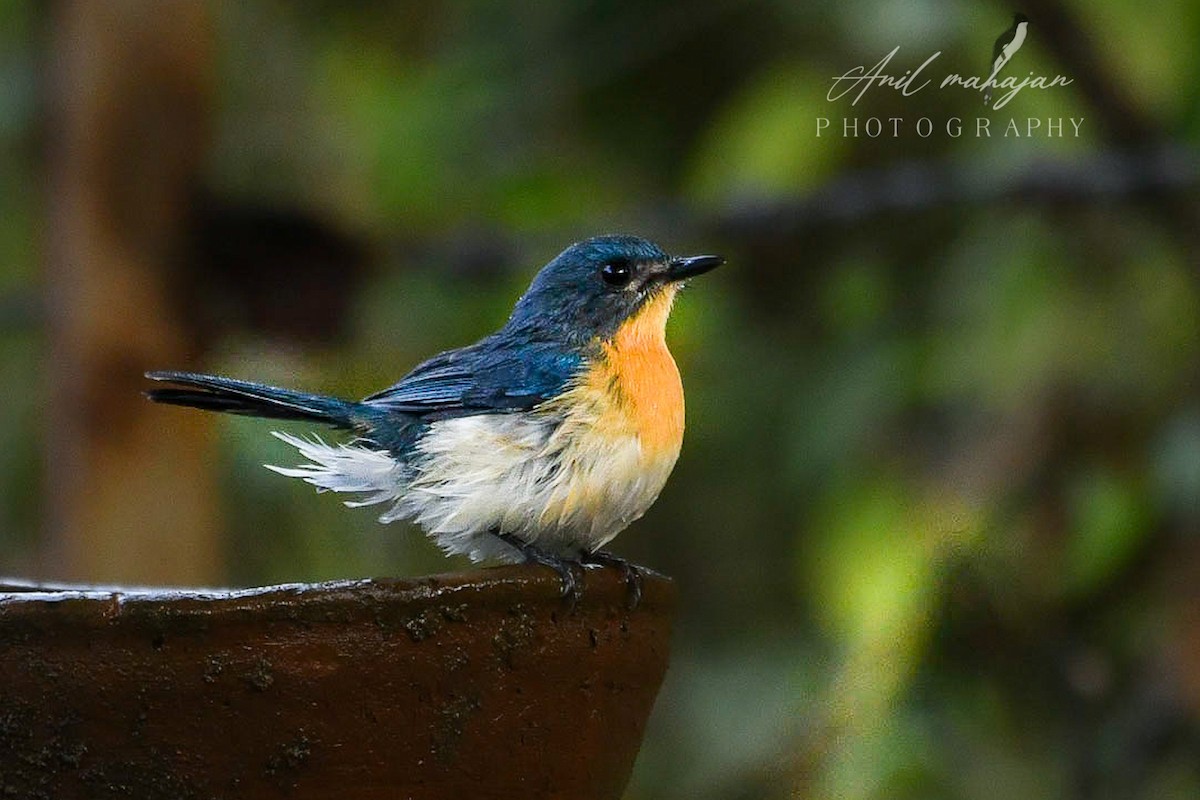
<point x="631" y="572"/>
<point x="571" y="587"/>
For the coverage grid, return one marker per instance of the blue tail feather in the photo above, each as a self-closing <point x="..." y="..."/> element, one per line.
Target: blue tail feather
<point x="216" y="393"/>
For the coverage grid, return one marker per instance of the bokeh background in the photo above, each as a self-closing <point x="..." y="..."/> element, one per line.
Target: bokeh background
<point x="935" y="525"/>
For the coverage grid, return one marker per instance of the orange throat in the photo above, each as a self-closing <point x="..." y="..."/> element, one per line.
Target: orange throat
<point x="642" y="378"/>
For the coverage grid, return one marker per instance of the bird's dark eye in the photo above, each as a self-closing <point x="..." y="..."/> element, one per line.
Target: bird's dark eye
<point x="616" y="273"/>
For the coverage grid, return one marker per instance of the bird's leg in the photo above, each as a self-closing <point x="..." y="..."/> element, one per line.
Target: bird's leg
<point x="572" y="590"/>
<point x="631" y="572"/>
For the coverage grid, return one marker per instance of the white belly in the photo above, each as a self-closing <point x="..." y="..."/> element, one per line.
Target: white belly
<point x="567" y="485"/>
<point x="563" y="487"/>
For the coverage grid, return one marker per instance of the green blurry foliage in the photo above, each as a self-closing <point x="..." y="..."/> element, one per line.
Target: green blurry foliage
<point x="760" y="144"/>
<point x="1109" y="518"/>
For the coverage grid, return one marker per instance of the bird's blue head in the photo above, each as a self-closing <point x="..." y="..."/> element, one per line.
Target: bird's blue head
<point x="593" y="287"/>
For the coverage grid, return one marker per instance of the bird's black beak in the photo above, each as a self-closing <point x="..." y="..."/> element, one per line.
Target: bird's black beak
<point x="690" y="266"/>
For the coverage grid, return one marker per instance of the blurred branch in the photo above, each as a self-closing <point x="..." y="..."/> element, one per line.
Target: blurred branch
<point x="855" y="198"/>
<point x="916" y="187"/>
<point x="909" y="188"/>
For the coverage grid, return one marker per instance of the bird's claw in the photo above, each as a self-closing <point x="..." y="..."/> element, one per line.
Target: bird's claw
<point x="630" y="572"/>
<point x="571" y="589"/>
<point x="572" y="586"/>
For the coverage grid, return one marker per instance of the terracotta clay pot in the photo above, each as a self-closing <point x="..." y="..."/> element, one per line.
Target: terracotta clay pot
<point x="472" y="685"/>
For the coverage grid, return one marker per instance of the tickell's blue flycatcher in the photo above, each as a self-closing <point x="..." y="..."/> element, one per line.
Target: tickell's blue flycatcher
<point x="538" y="443"/>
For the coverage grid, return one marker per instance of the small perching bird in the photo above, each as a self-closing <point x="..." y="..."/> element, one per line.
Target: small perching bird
<point x="1006" y="46"/>
<point x="538" y="443"/>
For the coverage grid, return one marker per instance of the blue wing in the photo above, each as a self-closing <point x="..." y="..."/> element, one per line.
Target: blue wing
<point x="493" y="376"/>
